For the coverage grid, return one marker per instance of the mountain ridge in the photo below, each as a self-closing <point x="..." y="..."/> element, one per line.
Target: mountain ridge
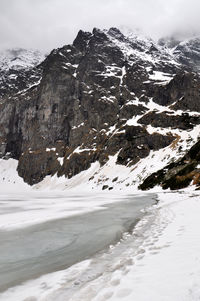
<point x="105" y="96"/>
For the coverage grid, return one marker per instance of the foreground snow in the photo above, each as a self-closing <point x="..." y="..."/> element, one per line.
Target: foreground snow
<point x="169" y="265"/>
<point x="159" y="261"/>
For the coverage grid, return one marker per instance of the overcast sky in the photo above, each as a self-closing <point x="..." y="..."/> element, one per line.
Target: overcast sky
<point x="47" y="24"/>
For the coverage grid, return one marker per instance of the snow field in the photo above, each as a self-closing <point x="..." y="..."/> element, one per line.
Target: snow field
<point x="159" y="260"/>
<point x="169" y="267"/>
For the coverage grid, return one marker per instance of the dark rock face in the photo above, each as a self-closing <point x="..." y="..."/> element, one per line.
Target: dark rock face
<point x="127" y="111"/>
<point x="165" y="120"/>
<point x="78" y="162"/>
<point x="179" y="174"/>
<point x="87" y="93"/>
<point x="33" y="167"/>
<point x="182" y="92"/>
<point x="137" y="144"/>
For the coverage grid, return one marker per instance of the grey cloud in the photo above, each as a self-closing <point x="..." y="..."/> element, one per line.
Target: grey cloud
<point x="47" y="24"/>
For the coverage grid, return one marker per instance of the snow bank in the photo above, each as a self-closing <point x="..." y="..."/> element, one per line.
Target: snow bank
<point x="10" y="182"/>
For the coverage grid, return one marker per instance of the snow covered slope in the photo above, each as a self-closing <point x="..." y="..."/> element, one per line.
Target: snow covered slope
<point x="184" y="50"/>
<point x="18" y="58"/>
<point x="18" y="69"/>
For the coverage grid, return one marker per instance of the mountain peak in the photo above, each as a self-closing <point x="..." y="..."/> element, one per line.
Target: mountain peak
<point x="110" y="98"/>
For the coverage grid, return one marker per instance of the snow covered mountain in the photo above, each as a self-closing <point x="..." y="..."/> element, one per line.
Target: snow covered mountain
<point x="186" y="51"/>
<point x="17" y="69"/>
<point x="107" y="111"/>
<point x="18" y="58"/>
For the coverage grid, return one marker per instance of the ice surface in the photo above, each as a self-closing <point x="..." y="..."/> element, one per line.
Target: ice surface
<point x="55" y="242"/>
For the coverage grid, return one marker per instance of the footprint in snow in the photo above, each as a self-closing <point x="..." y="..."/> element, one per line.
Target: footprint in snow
<point x="124" y="292"/>
<point x="115" y="282"/>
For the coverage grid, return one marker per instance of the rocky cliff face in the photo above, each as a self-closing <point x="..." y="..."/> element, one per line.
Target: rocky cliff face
<point x="107" y="94"/>
<point x="178" y="174"/>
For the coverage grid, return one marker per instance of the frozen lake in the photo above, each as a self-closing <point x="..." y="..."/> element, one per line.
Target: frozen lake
<point x="43" y="235"/>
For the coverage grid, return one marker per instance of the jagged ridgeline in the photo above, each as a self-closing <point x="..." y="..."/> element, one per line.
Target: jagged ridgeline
<point x="108" y="95"/>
